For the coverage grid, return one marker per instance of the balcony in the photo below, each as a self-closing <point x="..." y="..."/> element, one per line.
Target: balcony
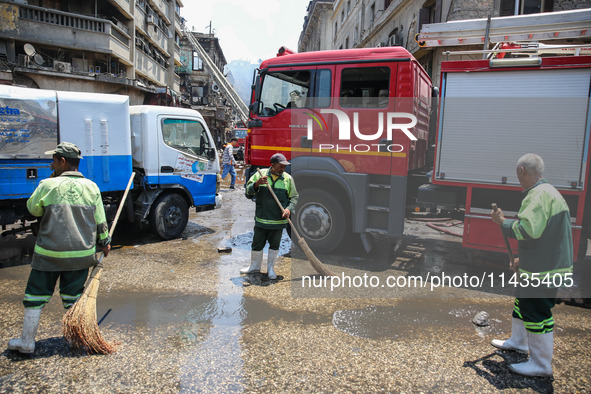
<point x="162" y="7"/>
<point x="150" y="69"/>
<point x="158" y="38"/>
<point x="125" y="6"/>
<point x="67" y="30"/>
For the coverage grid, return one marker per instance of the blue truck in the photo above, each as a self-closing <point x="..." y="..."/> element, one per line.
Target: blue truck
<point x="170" y="149"/>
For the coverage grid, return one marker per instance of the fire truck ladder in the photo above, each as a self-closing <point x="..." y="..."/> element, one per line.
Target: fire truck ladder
<point x="531" y="49"/>
<point x="219" y="77"/>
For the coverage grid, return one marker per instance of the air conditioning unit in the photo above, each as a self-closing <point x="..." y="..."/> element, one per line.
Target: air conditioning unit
<point x="151" y="19"/>
<point x="395" y="40"/>
<point x="62" y="66"/>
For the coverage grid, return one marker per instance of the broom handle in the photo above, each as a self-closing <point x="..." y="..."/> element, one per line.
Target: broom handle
<point x="99" y="266"/>
<point x="507" y="245"/>
<point x="120" y="208"/>
<point x="281" y="207"/>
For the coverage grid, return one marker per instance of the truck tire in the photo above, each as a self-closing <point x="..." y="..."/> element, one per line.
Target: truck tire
<point x="320" y="219"/>
<point x="169" y="216"/>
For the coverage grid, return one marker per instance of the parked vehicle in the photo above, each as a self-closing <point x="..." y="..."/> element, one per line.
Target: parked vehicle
<point x="240" y="133"/>
<point x="170" y="149"/>
<point x="348" y="183"/>
<point x="322" y="109"/>
<point x="491" y="113"/>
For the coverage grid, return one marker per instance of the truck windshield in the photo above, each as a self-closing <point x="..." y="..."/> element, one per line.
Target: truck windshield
<point x="188" y="136"/>
<point x="284" y="89"/>
<point x="240" y="133"/>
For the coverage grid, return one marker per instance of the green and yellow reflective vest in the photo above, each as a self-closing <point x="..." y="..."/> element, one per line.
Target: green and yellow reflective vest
<point x="73" y="222"/>
<point x="543" y="232"/>
<point x="267" y="212"/>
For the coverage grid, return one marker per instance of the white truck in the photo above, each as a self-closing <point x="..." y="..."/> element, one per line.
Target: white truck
<point x="170" y="149"/>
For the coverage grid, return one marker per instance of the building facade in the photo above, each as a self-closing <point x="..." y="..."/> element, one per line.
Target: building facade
<point x="198" y="87"/>
<point x="317" y="28"/>
<point x="105" y="46"/>
<point x="376" y="23"/>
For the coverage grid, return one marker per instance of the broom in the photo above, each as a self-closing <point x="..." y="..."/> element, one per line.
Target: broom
<point x="80" y="325"/>
<point x="507" y="245"/>
<point x="316" y="264"/>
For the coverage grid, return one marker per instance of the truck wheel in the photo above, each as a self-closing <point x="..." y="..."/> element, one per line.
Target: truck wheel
<point x="169" y="216"/>
<point x="320" y="219"/>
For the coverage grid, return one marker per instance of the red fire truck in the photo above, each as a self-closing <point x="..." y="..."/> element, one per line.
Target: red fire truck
<point x="490" y="113"/>
<point x="240" y="133"/>
<point x="494" y="111"/>
<point x="343" y="119"/>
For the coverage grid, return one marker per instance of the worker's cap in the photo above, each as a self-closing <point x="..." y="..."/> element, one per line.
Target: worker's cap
<point x="279" y="158"/>
<point x="66" y="149"/>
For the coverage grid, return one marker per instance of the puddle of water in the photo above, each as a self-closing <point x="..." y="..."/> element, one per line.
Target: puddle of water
<point x="244" y="241"/>
<point x="410" y="316"/>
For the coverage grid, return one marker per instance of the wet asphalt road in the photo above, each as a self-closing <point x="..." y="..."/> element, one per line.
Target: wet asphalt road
<point x="186" y="321"/>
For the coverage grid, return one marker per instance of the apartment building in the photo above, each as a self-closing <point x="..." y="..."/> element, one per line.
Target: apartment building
<point x="198" y="88"/>
<point x="127" y="47"/>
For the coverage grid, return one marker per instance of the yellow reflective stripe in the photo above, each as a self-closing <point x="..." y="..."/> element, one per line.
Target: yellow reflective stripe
<point x="29" y="297"/>
<point x="103" y="235"/>
<point x="541" y="324"/>
<point x="540" y="275"/>
<point x="64" y="254"/>
<point x="266" y="221"/>
<point x="517" y="232"/>
<point x="332" y="151"/>
<point x="70" y="297"/>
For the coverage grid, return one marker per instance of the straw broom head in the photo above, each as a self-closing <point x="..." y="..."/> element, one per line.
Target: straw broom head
<point x="80" y="324"/>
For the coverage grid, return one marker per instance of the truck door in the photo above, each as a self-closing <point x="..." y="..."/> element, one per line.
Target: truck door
<point x="365" y="94"/>
<point x="187" y="157"/>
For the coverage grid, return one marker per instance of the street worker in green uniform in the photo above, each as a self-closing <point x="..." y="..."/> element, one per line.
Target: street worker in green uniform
<point x="72" y="225"/>
<point x="269" y="219"/>
<point x="545" y="248"/>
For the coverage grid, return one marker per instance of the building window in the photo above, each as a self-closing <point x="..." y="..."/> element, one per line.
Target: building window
<point x="430" y="13"/>
<point x="387" y="4"/>
<point x="197" y="62"/>
<point x="372" y="14"/>
<point x="524" y="7"/>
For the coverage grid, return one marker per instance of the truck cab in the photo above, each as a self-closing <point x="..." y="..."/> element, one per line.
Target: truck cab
<point x="342" y="118"/>
<point x="174" y="152"/>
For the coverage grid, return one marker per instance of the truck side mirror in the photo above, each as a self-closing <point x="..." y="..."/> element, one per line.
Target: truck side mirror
<point x="211" y="153"/>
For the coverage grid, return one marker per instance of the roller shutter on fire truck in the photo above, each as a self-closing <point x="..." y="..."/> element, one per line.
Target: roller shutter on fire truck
<point x="490" y="119"/>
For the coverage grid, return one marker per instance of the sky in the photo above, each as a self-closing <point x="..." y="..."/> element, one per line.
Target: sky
<point x="248" y="29"/>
